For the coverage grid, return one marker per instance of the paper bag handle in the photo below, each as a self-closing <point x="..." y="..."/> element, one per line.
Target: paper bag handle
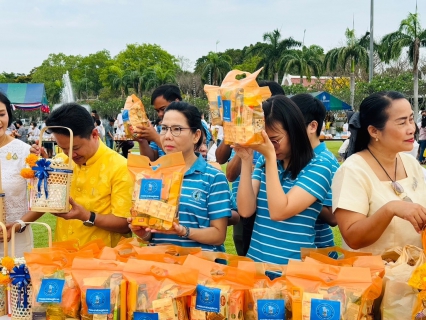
<point x="13" y="240"/>
<point x="5" y="247"/>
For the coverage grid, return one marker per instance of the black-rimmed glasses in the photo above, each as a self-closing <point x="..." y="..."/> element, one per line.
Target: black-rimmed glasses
<point x="174" y="130"/>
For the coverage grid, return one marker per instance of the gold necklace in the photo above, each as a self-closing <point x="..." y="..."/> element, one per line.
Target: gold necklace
<point x="397" y="188"/>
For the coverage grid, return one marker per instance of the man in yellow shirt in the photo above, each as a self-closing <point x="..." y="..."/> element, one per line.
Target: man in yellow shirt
<point x="101" y="187"/>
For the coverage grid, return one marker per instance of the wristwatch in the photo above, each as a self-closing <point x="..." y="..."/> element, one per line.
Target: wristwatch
<point x="91" y="221"/>
<point x="23" y="226"/>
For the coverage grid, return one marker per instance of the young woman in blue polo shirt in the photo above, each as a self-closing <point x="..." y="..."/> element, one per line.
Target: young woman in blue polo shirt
<point x="205" y="204"/>
<point x="287" y="187"/>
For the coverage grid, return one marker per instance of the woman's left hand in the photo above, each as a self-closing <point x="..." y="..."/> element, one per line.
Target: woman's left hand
<point x="266" y="147"/>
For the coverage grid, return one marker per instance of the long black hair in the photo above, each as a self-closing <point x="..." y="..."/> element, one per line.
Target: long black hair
<point x="373" y="112"/>
<point x="280" y="110"/>
<point x="192" y="115"/>
<point x="6" y="102"/>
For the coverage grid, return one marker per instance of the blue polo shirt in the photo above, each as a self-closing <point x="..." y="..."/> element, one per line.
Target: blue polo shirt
<point x="160" y="151"/>
<point x="205" y="196"/>
<point x="280" y="241"/>
<point x="323" y="233"/>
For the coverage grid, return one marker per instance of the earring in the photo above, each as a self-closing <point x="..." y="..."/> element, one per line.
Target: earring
<point x="377" y="139"/>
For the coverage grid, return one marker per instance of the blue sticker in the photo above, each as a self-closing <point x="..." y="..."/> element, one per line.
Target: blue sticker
<point x="98" y="301"/>
<point x="219" y="102"/>
<point x="208" y="299"/>
<point x="145" y="316"/>
<point x="325" y="309"/>
<point x="270" y="309"/>
<point x="151" y="189"/>
<point x="125" y="115"/>
<point x="51" y="291"/>
<point x="227" y="110"/>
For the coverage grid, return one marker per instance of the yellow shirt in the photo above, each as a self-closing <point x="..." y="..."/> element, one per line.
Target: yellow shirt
<point x="103" y="186"/>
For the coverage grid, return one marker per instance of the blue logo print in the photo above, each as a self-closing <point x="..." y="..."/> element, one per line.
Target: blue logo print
<point x="150" y="189"/>
<point x="270" y="309"/>
<point x="208" y="299"/>
<point x="207" y="296"/>
<point x="51" y="291"/>
<point x="196" y="195"/>
<point x="145" y="316"/>
<point x="325" y="309"/>
<point x="97" y="299"/>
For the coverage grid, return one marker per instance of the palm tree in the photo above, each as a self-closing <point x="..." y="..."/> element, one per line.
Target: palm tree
<point x="307" y="62"/>
<point x="409" y="35"/>
<point x="215" y="66"/>
<point x="355" y="52"/>
<point x="156" y="76"/>
<point x="271" y="53"/>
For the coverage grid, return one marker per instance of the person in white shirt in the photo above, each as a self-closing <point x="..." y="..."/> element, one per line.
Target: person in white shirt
<point x="33" y="132"/>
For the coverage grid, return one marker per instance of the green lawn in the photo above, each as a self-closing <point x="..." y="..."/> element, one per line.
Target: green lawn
<point x="40" y="234"/>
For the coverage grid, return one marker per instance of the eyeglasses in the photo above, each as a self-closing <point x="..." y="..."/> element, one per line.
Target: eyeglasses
<point x="276" y="143"/>
<point x="174" y="130"/>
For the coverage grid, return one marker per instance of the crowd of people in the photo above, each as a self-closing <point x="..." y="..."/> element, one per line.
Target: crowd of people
<point x="287" y="192"/>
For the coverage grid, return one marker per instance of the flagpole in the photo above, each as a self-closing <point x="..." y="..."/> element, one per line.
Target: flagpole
<point x="371" y="66"/>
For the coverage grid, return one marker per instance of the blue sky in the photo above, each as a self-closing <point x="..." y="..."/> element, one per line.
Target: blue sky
<point x="31" y="30"/>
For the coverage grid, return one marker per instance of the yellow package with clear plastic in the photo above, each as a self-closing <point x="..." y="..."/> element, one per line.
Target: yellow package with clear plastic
<point x="237" y="105"/>
<point x="134" y="115"/>
<point x="156" y="190"/>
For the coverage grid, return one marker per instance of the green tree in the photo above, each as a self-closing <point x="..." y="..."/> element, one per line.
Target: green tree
<point x="307" y="62"/>
<point x="214" y="67"/>
<point x="157" y="76"/>
<point x="409" y="35"/>
<point x="355" y="53"/>
<point x="271" y="53"/>
<point x="250" y="64"/>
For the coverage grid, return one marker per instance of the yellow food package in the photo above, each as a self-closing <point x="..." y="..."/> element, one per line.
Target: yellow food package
<point x="237" y="105"/>
<point x="156" y="190"/>
<point x="221" y="283"/>
<point x="264" y="288"/>
<point x="133" y="115"/>
<point x="156" y="287"/>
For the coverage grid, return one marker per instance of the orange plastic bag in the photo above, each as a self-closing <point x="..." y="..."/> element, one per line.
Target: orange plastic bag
<point x="156" y="287"/>
<point x="348" y="285"/>
<point x="133" y="115"/>
<point x="265" y="288"/>
<point x="230" y="259"/>
<point x="56" y="265"/>
<point x="170" y="249"/>
<point x="157" y="190"/>
<point x="238" y="103"/>
<point x="232" y="282"/>
<point x="101" y="283"/>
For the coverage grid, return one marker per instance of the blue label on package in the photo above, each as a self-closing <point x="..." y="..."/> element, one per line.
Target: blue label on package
<point x="145" y="316"/>
<point x="219" y="102"/>
<point x="51" y="291"/>
<point x="150" y="189"/>
<point x="325" y="309"/>
<point x="125" y="115"/>
<point x="227" y="110"/>
<point x="98" y="301"/>
<point x="270" y="309"/>
<point x="208" y="299"/>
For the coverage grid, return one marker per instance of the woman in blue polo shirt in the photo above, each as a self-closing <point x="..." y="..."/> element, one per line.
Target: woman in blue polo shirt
<point x="205" y="204"/>
<point x="287" y="188"/>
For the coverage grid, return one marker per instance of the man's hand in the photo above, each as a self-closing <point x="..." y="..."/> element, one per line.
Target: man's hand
<point x="77" y="212"/>
<point x="36" y="149"/>
<point x="147" y="133"/>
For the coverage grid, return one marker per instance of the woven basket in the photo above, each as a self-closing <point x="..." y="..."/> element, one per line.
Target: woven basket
<point x="18" y="312"/>
<point x="56" y="200"/>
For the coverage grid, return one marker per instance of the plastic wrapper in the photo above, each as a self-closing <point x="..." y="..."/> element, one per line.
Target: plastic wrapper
<point x="103" y="288"/>
<point x="237" y="106"/>
<point x="55" y="294"/>
<point x="133" y="115"/>
<point x="265" y="289"/>
<point x="156" y="190"/>
<point x="229" y="284"/>
<point x="156" y="287"/>
<point x="349" y="286"/>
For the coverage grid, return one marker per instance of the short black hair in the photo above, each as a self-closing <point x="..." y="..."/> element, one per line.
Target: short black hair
<point x="170" y="92"/>
<point x="373" y="112"/>
<point x="111" y="120"/>
<point x="281" y="110"/>
<point x="273" y="86"/>
<point x="98" y="122"/>
<point x="6" y="102"/>
<point x="312" y="109"/>
<point x="73" y="116"/>
<point x="19" y="122"/>
<point x="34" y="123"/>
<point x="192" y="115"/>
<point x="94" y="111"/>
